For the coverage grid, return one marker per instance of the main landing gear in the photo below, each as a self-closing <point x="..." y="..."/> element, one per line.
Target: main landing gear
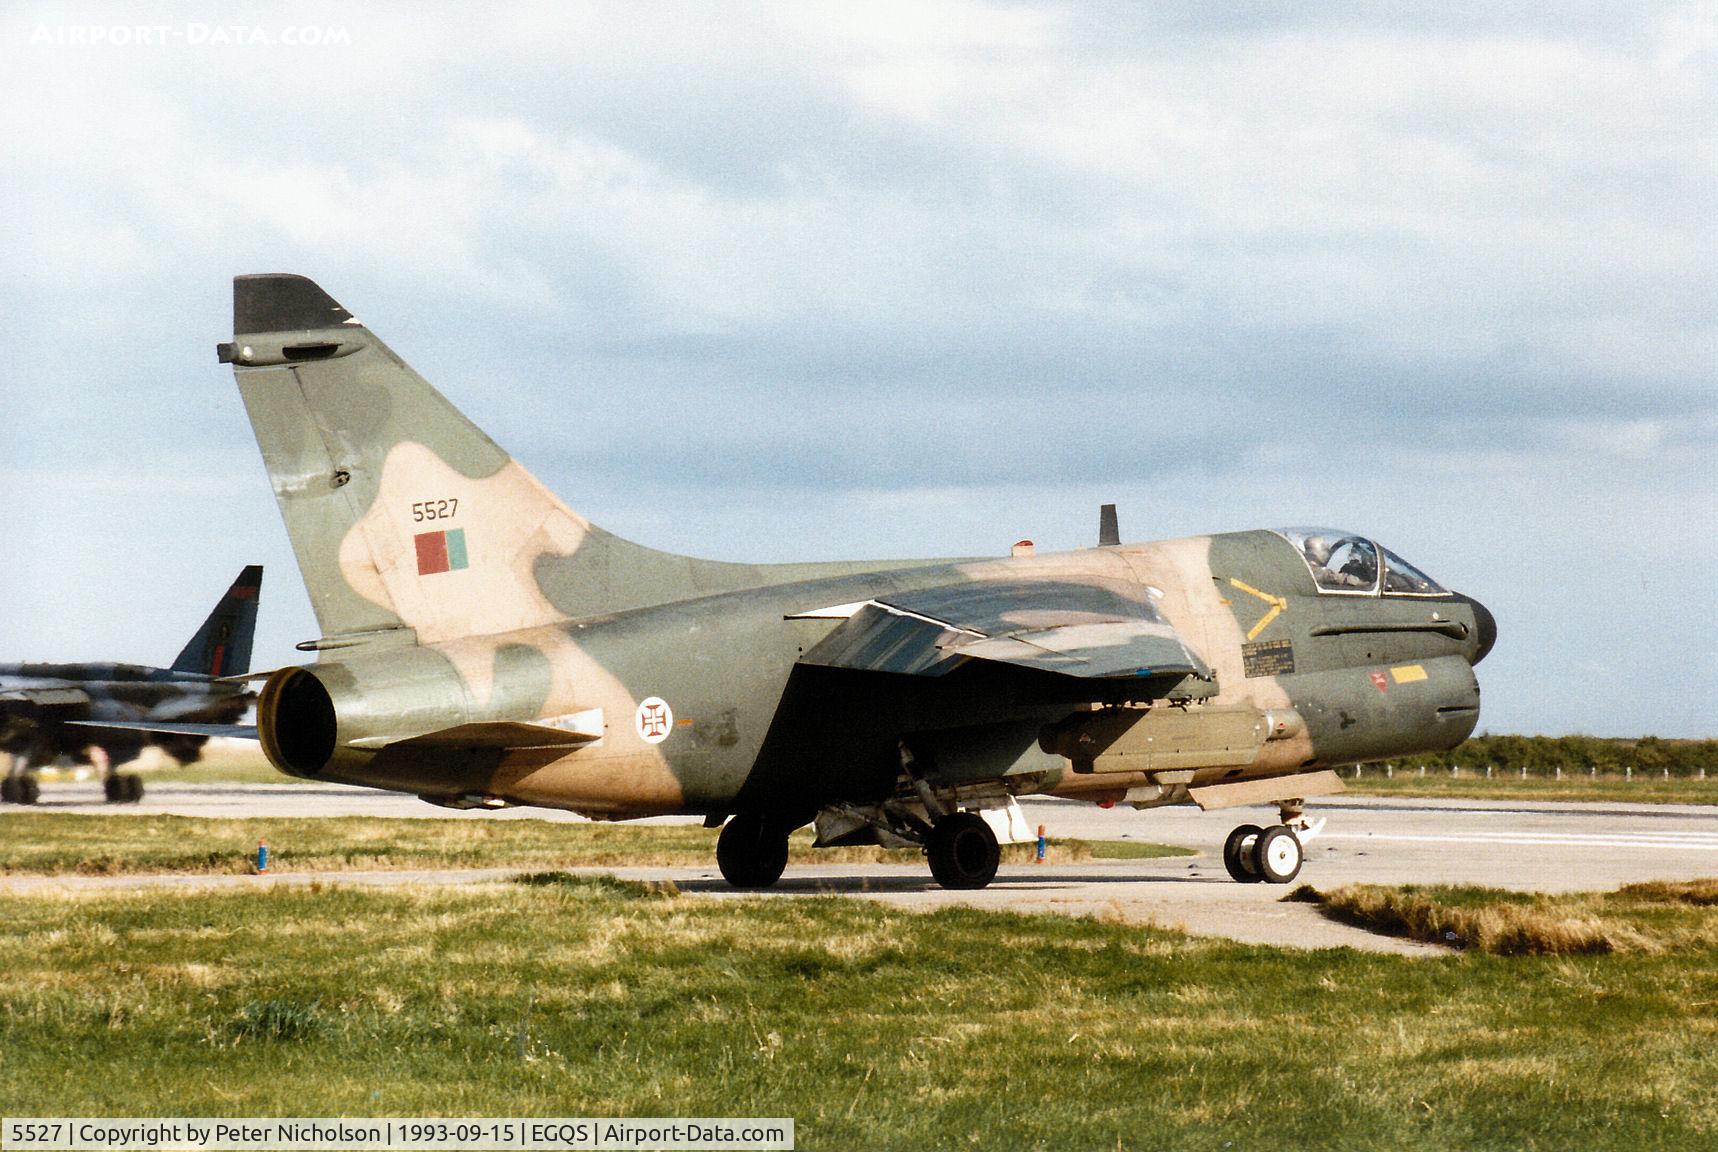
<point x="1274" y="854"/>
<point x="752" y="850"/>
<point x="961" y="847"/>
<point x="963" y="851"/>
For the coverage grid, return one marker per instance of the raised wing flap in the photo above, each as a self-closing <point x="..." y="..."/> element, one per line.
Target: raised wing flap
<point x="878" y="638"/>
<point x="1086" y="628"/>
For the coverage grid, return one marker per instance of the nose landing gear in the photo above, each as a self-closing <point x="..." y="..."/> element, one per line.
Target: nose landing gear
<point x="1252" y="854"/>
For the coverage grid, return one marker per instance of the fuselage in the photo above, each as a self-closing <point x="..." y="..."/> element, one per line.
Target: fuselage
<point x="1364" y="676"/>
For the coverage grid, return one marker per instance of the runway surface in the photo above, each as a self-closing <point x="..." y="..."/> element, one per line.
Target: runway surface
<point x="1523" y="845"/>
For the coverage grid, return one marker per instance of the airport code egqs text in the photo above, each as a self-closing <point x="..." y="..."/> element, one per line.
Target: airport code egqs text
<point x="405" y="1134"/>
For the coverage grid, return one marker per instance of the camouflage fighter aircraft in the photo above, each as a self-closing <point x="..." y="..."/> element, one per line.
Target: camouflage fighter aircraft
<point x="484" y="645"/>
<point x="41" y="705"/>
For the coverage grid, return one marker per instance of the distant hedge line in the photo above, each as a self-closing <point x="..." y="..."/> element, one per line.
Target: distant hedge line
<point x="1545" y="754"/>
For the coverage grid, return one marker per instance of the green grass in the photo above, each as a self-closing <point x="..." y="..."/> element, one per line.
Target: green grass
<point x="1435" y="785"/>
<point x="873" y="1027"/>
<point x="48" y="842"/>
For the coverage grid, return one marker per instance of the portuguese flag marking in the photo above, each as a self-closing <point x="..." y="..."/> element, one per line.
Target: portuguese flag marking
<point x="441" y="551"/>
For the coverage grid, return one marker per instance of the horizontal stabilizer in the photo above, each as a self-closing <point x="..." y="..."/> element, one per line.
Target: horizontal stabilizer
<point x="233" y="731"/>
<point x="1092" y="628"/>
<point x="491" y="745"/>
<point x="503" y="734"/>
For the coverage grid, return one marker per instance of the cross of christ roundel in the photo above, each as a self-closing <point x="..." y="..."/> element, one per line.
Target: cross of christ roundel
<point x="653" y="720"/>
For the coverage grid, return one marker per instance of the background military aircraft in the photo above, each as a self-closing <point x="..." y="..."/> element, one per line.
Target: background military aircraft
<point x="41" y="704"/>
<point x="484" y="645"/>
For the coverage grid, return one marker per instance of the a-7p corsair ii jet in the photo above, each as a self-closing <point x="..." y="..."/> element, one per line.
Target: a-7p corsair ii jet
<point x="484" y="645"/>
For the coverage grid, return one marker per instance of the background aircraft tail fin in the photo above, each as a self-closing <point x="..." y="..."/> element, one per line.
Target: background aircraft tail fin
<point x="222" y="646"/>
<point x="403" y="514"/>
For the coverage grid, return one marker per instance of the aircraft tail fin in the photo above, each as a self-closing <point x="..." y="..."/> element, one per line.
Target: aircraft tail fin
<point x="406" y="519"/>
<point x="222" y="646"/>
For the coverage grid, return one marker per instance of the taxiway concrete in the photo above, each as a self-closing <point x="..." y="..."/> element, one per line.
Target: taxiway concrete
<point x="1526" y="845"/>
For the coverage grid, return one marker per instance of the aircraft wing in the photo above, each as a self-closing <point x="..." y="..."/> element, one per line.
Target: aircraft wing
<point x="1089" y="628"/>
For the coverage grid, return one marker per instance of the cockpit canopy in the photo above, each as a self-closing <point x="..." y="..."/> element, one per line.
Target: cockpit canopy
<point x="1345" y="564"/>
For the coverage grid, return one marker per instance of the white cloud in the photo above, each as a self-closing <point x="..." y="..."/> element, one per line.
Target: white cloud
<point x="927" y="275"/>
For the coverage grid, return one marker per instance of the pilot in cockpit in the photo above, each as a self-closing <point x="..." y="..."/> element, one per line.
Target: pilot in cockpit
<point x="1317" y="550"/>
<point x="1348" y="563"/>
<point x="1361" y="567"/>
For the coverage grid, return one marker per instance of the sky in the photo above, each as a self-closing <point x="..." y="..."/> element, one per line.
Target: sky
<point x="781" y="282"/>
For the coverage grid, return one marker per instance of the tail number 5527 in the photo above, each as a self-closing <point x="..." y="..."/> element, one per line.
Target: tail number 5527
<point x="435" y="509"/>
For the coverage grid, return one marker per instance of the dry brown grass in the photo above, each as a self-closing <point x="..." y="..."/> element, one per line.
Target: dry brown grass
<point x="1502" y="926"/>
<point x="1700" y="893"/>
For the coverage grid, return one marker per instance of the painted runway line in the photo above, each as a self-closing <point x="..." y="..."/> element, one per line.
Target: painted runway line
<point x="1687" y="842"/>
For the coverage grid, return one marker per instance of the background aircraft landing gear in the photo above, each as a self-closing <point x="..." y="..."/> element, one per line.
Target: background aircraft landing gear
<point x="751" y="851"/>
<point x="963" y="851"/>
<point x="22" y="788"/>
<point x="19" y="785"/>
<point x="1252" y="854"/>
<point x="123" y="788"/>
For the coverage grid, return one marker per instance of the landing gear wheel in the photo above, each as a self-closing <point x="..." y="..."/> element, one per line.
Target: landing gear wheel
<point x="963" y="851"/>
<point x="751" y="851"/>
<point x="131" y="788"/>
<point x="1277" y="854"/>
<point x="1238" y="854"/>
<point x="29" y="790"/>
<point x="9" y="789"/>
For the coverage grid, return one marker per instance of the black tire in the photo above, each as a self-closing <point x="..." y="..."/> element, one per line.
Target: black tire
<point x="963" y="851"/>
<point x="1277" y="854"/>
<point x="1238" y="855"/>
<point x="132" y="791"/>
<point x="751" y="851"/>
<point x="29" y="789"/>
<point x="9" y="789"/>
<point x="113" y="787"/>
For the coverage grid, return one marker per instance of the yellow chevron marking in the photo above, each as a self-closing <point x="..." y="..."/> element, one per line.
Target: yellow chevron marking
<point x="1279" y="605"/>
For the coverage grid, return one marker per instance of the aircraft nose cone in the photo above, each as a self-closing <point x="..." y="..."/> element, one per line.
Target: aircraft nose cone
<point x="1486" y="625"/>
